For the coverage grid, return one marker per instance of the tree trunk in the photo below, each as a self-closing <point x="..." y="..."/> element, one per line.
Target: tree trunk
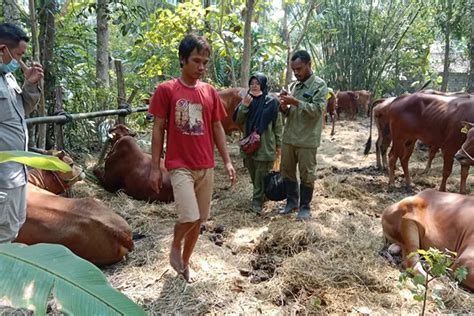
<point x="120" y="90"/>
<point x="41" y="139"/>
<point x="245" y="67"/>
<point x="102" y="57"/>
<point x="286" y="38"/>
<point x="447" y="44"/>
<point x="470" y="87"/>
<point x="10" y="12"/>
<point x="47" y="43"/>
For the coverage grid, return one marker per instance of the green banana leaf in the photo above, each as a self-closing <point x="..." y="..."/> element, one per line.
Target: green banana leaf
<point x="28" y="274"/>
<point x="35" y="160"/>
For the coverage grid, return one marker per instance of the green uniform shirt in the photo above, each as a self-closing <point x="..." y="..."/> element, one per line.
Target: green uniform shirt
<point x="304" y="122"/>
<point x="269" y="141"/>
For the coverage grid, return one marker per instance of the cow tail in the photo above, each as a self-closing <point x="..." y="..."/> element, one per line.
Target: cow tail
<point x="369" y="141"/>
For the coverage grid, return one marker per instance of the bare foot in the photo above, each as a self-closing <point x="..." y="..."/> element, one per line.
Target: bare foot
<point x="189" y="275"/>
<point x="176" y="261"/>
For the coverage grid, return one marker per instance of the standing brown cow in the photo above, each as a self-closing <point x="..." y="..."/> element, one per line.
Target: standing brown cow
<point x="331" y="110"/>
<point x="381" y="109"/>
<point x="363" y="101"/>
<point x="436" y="120"/>
<point x="347" y="102"/>
<point x="465" y="154"/>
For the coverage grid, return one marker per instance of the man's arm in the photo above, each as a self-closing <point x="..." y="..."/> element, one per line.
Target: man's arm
<point x="31" y="94"/>
<point x="316" y="106"/>
<point x="219" y="139"/>
<point x="157" y="141"/>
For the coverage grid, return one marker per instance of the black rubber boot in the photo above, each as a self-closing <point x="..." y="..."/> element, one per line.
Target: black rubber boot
<point x="292" y="197"/>
<point x="305" y="202"/>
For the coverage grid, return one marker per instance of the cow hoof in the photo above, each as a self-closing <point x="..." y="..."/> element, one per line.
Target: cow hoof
<point x="394" y="249"/>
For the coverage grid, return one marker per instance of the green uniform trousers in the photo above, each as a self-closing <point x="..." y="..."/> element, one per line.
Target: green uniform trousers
<point x="303" y="158"/>
<point x="258" y="170"/>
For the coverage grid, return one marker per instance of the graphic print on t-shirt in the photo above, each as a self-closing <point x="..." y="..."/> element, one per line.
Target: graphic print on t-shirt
<point x="188" y="117"/>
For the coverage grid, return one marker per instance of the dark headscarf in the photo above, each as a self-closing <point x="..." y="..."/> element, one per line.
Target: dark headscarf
<point x="262" y="110"/>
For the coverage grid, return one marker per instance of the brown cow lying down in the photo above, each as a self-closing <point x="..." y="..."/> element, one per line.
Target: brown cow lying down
<point x="127" y="167"/>
<point x="433" y="219"/>
<point x="56" y="182"/>
<point x="434" y="119"/>
<point x="85" y="226"/>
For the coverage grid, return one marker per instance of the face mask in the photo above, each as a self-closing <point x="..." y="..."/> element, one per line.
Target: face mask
<point x="12" y="66"/>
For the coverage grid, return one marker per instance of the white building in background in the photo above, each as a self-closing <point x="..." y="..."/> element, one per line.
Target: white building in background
<point x="459" y="66"/>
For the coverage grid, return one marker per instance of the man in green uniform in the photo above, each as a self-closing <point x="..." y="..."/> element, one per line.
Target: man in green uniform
<point x="303" y="108"/>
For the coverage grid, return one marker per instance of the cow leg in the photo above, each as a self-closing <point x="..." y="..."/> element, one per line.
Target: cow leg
<point x="466" y="259"/>
<point x="333" y="120"/>
<point x="392" y="161"/>
<point x="448" y="157"/>
<point x="383" y="151"/>
<point x="409" y="146"/>
<point x="378" y="152"/>
<point x="431" y="155"/>
<point x="411" y="242"/>
<point x="464" y="174"/>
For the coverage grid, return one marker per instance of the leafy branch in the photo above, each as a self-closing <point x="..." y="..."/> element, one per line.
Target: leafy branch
<point x="435" y="264"/>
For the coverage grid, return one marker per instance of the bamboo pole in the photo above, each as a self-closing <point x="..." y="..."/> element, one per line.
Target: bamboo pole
<point x="63" y="118"/>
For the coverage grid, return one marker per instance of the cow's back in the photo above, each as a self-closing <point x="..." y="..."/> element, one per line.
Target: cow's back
<point x="85" y="226"/>
<point x="420" y="116"/>
<point x="127" y="167"/>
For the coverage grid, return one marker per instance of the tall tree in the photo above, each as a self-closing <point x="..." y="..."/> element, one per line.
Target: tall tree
<point x="47" y="36"/>
<point x="11" y="12"/>
<point x="47" y="43"/>
<point x="102" y="53"/>
<point x="41" y="139"/>
<point x="286" y="37"/>
<point x="245" y="66"/>
<point x="470" y="87"/>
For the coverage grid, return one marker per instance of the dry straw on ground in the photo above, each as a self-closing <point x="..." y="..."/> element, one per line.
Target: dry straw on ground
<point x="271" y="264"/>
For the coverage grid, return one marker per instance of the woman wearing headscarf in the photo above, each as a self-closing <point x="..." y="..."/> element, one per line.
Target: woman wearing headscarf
<point x="259" y="111"/>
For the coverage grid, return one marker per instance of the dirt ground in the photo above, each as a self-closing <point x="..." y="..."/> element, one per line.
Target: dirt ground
<point x="273" y="264"/>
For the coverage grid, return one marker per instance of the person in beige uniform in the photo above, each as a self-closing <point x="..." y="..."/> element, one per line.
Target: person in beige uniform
<point x="303" y="108"/>
<point x="15" y="102"/>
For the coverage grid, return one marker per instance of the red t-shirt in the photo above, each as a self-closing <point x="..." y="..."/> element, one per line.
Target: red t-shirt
<point x="190" y="113"/>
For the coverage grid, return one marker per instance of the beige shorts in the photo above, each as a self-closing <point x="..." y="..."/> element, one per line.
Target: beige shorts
<point x="192" y="191"/>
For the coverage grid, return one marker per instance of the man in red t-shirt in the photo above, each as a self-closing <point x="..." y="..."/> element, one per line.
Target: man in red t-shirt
<point x="191" y="112"/>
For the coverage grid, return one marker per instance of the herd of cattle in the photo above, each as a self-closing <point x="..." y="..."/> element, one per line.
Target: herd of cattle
<point x="430" y="219"/>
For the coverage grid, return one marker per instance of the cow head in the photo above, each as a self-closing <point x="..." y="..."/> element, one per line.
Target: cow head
<point x="119" y="131"/>
<point x="465" y="154"/>
<point x="76" y="173"/>
<point x="54" y="181"/>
